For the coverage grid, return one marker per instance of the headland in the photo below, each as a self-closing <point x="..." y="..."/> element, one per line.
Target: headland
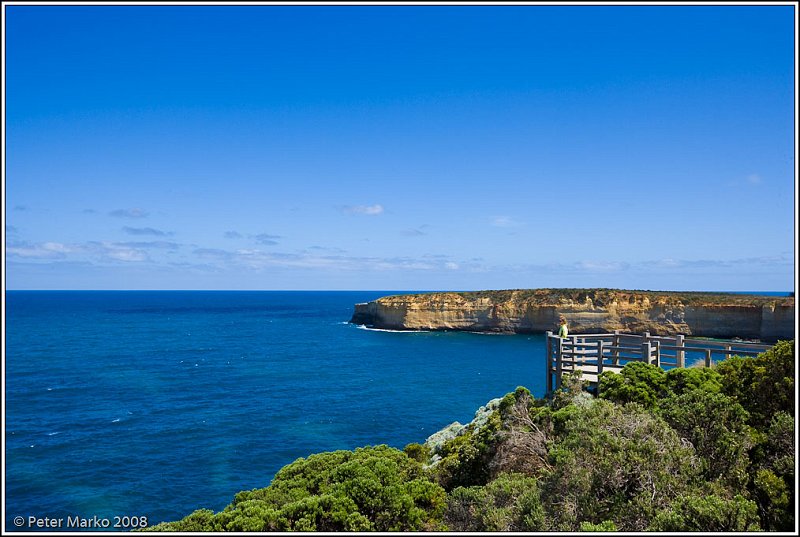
<point x="527" y="311"/>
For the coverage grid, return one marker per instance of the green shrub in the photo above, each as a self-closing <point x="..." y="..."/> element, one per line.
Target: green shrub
<point x="417" y="452"/>
<point x="465" y="458"/>
<point x="707" y="514"/>
<point x="509" y="503"/>
<point x="685" y="379"/>
<point x="637" y="382"/>
<point x="763" y="385"/>
<point x="571" y="388"/>
<point x="716" y="425"/>
<point x="604" y="526"/>
<point x="775" y="501"/>
<point x="618" y="463"/>
<point x="522" y="443"/>
<point x="369" y="489"/>
<point x="200" y="520"/>
<point x="773" y="480"/>
<point x="510" y="399"/>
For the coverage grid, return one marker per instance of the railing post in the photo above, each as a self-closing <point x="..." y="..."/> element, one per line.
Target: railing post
<point x="548" y="362"/>
<point x="646" y="351"/>
<point x="600" y="345"/>
<point x="680" y="355"/>
<point x="658" y="353"/>
<point x="559" y="354"/>
<point x="708" y="357"/>
<point x="615" y="354"/>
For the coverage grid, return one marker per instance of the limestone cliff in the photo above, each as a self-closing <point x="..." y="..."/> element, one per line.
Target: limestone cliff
<point x="721" y="315"/>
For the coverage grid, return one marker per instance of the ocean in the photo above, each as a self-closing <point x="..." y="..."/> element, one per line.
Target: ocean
<point x="157" y="403"/>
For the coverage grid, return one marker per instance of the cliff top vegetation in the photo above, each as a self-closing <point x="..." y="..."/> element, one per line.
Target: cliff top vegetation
<point x="601" y="296"/>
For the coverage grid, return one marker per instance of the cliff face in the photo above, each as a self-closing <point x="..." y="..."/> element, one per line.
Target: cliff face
<point x="587" y="311"/>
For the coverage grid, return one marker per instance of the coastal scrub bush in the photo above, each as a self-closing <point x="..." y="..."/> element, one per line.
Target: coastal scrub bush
<point x="510" y="400"/>
<point x="572" y="388"/>
<point x="716" y="425"/>
<point x="773" y="461"/>
<point x="618" y="463"/>
<point x="200" y="520"/>
<point x="637" y="382"/>
<point x="775" y="501"/>
<point x="369" y="489"/>
<point x="509" y="503"/>
<point x="604" y="526"/>
<point x="707" y="514"/>
<point x="763" y="385"/>
<point x="418" y="452"/>
<point x="465" y="458"/>
<point x="684" y="379"/>
<point x="522" y="442"/>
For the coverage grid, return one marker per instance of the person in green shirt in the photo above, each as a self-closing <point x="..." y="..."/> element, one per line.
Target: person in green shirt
<point x="563" y="331"/>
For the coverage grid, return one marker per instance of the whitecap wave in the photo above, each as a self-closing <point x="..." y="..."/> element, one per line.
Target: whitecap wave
<point x="115" y="421"/>
<point x="53" y="434"/>
<point x="486" y="333"/>
<point x="364" y="327"/>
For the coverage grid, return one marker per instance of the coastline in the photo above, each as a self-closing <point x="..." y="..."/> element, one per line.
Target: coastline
<point x="532" y="311"/>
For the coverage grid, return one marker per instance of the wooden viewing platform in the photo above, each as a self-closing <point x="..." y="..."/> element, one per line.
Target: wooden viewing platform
<point x="594" y="353"/>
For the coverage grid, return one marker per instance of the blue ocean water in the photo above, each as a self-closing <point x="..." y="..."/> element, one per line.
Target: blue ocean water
<point x="159" y="403"/>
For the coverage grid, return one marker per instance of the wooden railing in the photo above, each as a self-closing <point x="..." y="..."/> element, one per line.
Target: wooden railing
<point x="595" y="353"/>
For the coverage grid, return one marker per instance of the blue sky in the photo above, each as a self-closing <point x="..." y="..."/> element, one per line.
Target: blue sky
<point x="406" y="147"/>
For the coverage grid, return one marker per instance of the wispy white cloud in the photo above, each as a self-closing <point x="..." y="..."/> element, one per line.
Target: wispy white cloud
<point x="370" y="210"/>
<point x="318" y="258"/>
<point x="111" y="251"/>
<point x="164" y="245"/>
<point x="129" y="213"/>
<point x="233" y="235"/>
<point x="266" y="239"/>
<point x="653" y="266"/>
<point x="146" y="231"/>
<point x="328" y="249"/>
<point x="754" y="179"/>
<point x="91" y="251"/>
<point x="212" y="253"/>
<point x="601" y="266"/>
<point x="505" y="221"/>
<point x="45" y="250"/>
